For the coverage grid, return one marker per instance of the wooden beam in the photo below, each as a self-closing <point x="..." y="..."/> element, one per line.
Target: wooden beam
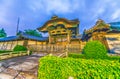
<point x="6" y="46"/>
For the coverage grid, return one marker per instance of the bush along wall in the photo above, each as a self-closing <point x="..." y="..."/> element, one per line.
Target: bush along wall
<point x="95" y="49"/>
<point x="20" y="48"/>
<point x="51" y="67"/>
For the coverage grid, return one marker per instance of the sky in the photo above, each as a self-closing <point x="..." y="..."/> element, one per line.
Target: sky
<point x="34" y="13"/>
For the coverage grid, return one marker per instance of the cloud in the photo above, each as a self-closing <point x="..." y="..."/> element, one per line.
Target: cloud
<point x="61" y="6"/>
<point x="33" y="13"/>
<point x="116" y="15"/>
<point x="55" y="6"/>
<point x="107" y="10"/>
<point x="5" y="8"/>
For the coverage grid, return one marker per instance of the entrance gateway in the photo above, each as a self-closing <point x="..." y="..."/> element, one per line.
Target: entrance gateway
<point x="61" y="30"/>
<point x="63" y="33"/>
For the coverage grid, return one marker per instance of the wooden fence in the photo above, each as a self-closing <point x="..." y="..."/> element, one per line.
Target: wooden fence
<point x="55" y="48"/>
<point x="13" y="54"/>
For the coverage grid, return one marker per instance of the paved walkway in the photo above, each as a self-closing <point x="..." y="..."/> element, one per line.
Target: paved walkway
<point x="24" y="67"/>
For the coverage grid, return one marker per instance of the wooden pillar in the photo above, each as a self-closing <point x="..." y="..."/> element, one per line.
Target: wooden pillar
<point x="49" y="39"/>
<point x="80" y="45"/>
<point x="36" y="46"/>
<point x="68" y="37"/>
<point x="11" y="45"/>
<point x="42" y="45"/>
<point x="0" y="45"/>
<point x="6" y="45"/>
<point x="3" y="45"/>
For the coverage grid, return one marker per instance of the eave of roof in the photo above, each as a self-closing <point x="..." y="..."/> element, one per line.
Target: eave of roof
<point x="9" y="38"/>
<point x="25" y="36"/>
<point x="98" y="27"/>
<point x="76" y="21"/>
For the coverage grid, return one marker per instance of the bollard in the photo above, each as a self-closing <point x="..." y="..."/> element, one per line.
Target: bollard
<point x="28" y="52"/>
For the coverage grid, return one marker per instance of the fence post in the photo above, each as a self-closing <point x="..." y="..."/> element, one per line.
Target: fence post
<point x="10" y="54"/>
<point x="66" y="51"/>
<point x="20" y="53"/>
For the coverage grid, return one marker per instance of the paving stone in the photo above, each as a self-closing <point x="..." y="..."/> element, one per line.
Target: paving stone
<point x="24" y="67"/>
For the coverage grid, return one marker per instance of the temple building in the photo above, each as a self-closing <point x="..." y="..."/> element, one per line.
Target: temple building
<point x="61" y="30"/>
<point x="64" y="33"/>
<point x="8" y="43"/>
<point x="113" y="37"/>
<point x="97" y="32"/>
<point x="107" y="33"/>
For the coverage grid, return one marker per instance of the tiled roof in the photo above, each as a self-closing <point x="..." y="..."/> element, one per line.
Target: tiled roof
<point x="10" y="38"/>
<point x="34" y="37"/>
<point x="25" y="36"/>
<point x="115" y="26"/>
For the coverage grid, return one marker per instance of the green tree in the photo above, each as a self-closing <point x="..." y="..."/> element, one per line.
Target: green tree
<point x="2" y="33"/>
<point x="33" y="32"/>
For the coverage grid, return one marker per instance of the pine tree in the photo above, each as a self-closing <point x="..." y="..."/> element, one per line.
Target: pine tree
<point x="33" y="32"/>
<point x="2" y="33"/>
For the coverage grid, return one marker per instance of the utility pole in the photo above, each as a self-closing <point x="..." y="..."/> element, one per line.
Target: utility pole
<point x="17" y="25"/>
<point x="17" y="28"/>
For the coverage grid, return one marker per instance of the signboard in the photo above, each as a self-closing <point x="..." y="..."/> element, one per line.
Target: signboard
<point x="61" y="39"/>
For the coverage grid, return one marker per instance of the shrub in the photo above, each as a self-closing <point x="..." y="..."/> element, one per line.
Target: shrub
<point x="4" y="51"/>
<point x="95" y="49"/>
<point x="62" y="68"/>
<point x="20" y="48"/>
<point x="76" y="55"/>
<point x="30" y="53"/>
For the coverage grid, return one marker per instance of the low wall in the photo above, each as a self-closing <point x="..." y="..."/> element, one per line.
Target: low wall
<point x="13" y="54"/>
<point x="77" y="48"/>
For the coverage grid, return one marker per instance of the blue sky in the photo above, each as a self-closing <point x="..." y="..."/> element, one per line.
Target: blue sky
<point x="34" y="13"/>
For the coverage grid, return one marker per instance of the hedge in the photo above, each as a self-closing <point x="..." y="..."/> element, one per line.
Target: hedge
<point x="51" y="67"/>
<point x="4" y="51"/>
<point x="20" y="48"/>
<point x="76" y="55"/>
<point x="95" y="49"/>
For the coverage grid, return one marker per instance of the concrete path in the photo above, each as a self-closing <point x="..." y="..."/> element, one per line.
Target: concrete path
<point x="24" y="67"/>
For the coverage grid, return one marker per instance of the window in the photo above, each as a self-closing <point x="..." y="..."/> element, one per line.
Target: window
<point x="53" y="31"/>
<point x="64" y="30"/>
<point x="51" y="28"/>
<point x="58" y="31"/>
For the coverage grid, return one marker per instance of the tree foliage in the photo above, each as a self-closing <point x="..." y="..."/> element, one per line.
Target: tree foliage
<point x="33" y="32"/>
<point x="2" y="33"/>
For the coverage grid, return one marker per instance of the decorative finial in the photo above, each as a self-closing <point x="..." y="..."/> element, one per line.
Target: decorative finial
<point x="54" y="17"/>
